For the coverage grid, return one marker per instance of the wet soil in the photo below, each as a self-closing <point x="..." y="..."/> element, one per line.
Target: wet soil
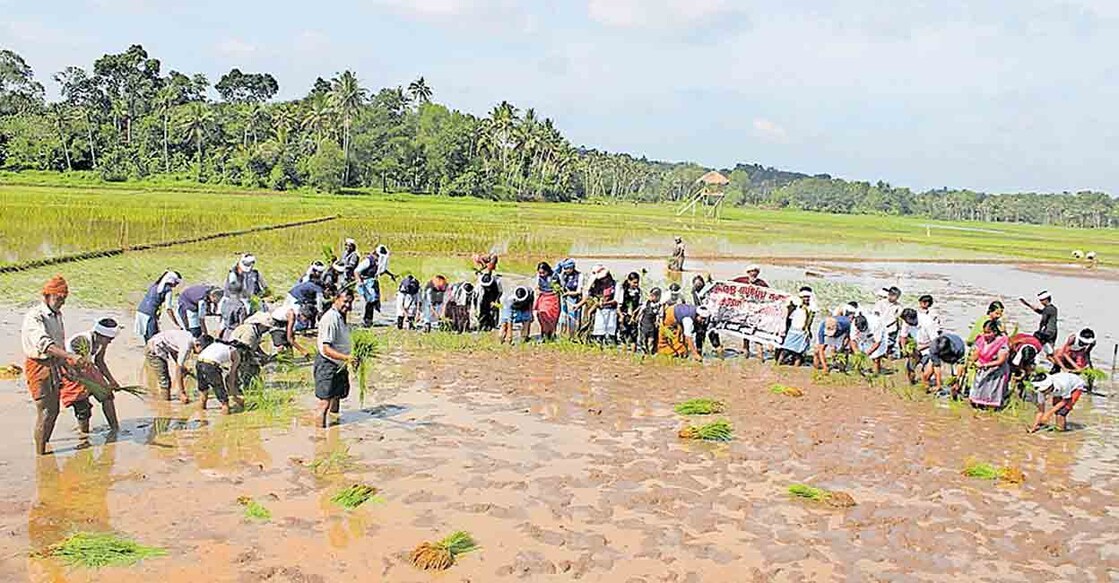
<point x="564" y="466"/>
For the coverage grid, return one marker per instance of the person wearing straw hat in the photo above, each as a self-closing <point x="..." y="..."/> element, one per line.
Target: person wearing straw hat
<point x="1075" y="355"/>
<point x="43" y="341"/>
<point x="91" y="345"/>
<point x="157" y="299"/>
<point x="1062" y="390"/>
<point x="1047" y="328"/>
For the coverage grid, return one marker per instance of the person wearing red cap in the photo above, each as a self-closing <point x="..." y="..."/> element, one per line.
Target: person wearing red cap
<point x="43" y="340"/>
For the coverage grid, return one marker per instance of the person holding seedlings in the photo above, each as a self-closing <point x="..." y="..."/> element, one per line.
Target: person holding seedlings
<point x="461" y="305"/>
<point x="331" y="373"/>
<point x="166" y="355"/>
<point x="157" y="299"/>
<point x="1024" y="349"/>
<point x="516" y="310"/>
<point x="1076" y="353"/>
<point x="602" y="294"/>
<point x="232" y="310"/>
<point x="195" y="303"/>
<point x="678" y="332"/>
<point x="217" y="369"/>
<point x="546" y="310"/>
<point x="947" y="348"/>
<point x="871" y="339"/>
<point x="992" y="377"/>
<point x="286" y="319"/>
<point x="408" y="302"/>
<point x="676" y="263"/>
<point x="833" y="337"/>
<point x="43" y="341"/>
<point x="1062" y="390"/>
<point x="488" y="304"/>
<point x="995" y="311"/>
<point x="91" y="346"/>
<point x="1047" y="328"/>
<point x="434" y="296"/>
<point x="368" y="273"/>
<point x="249" y="282"/>
<point x="571" y="289"/>
<point x="647" y="318"/>
<point x="248" y="337"/>
<point x="628" y="307"/>
<point x="922" y="330"/>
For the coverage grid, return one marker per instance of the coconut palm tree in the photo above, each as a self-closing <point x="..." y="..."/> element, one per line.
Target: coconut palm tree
<point x="283" y="120"/>
<point x="419" y="91"/>
<point x="347" y="96"/>
<point x="195" y="124"/>
<point x="317" y="118"/>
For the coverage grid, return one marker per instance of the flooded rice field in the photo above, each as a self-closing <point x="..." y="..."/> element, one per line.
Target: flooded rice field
<point x="565" y="465"/>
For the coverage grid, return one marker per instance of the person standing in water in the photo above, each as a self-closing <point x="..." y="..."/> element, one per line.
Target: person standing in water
<point x="157" y="299"/>
<point x="43" y="337"/>
<point x="91" y="346"/>
<point x="331" y="368"/>
<point x="678" y="253"/>
<point x="195" y="303"/>
<point x="1047" y="328"/>
<point x="250" y="282"/>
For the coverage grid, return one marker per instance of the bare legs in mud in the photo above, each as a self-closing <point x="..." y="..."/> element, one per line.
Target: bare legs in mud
<point x="325" y="408"/>
<point x="46" y="414"/>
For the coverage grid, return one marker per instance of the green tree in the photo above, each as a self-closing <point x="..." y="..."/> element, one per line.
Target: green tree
<point x="19" y="91"/>
<point x="419" y="92"/>
<point x="326" y="168"/>
<point x="195" y="124"/>
<point x="347" y="97"/>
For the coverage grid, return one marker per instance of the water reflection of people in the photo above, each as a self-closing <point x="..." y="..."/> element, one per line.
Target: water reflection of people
<point x="72" y="494"/>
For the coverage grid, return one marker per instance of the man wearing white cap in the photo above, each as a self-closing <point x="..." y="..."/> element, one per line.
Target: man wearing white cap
<point x="91" y="346"/>
<point x="350" y="259"/>
<point x="250" y="283"/>
<point x="1063" y="390"/>
<point x="1047" y="328"/>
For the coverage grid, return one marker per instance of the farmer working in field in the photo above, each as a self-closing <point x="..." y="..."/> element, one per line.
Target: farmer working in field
<point x="156" y="300"/>
<point x="195" y="303"/>
<point x="678" y="252"/>
<point x="1076" y="353"/>
<point x="1047" y="328"/>
<point x="43" y="337"/>
<point x="331" y="372"/>
<point x="678" y="331"/>
<point x="250" y="284"/>
<point x="166" y="355"/>
<point x="1061" y="390"/>
<point x="217" y="370"/>
<point x="91" y="346"/>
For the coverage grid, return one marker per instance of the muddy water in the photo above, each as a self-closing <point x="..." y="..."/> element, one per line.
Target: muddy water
<point x="563" y="467"/>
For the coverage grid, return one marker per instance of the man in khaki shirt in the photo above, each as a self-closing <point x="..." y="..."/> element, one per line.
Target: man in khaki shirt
<point x="43" y="340"/>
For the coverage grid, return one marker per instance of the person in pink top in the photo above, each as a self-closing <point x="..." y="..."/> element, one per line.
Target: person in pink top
<point x="992" y="377"/>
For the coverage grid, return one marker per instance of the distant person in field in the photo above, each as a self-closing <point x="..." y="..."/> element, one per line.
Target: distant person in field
<point x="91" y="345"/>
<point x="991" y="359"/>
<point x="43" y="340"/>
<point x="1047" y="328"/>
<point x="571" y="292"/>
<point x="156" y="302"/>
<point x="250" y="282"/>
<point x="166" y="355"/>
<point x="434" y="300"/>
<point x="331" y="368"/>
<point x="547" y="309"/>
<point x="195" y="303"/>
<point x="676" y="263"/>
<point x="1075" y="355"/>
<point x="1057" y="394"/>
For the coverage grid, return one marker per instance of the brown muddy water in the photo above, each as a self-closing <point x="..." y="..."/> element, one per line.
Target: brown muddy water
<point x="566" y="466"/>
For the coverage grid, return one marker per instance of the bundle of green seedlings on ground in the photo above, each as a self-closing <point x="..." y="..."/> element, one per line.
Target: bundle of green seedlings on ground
<point x="336" y="461"/>
<point x="273" y="403"/>
<point x="833" y="499"/>
<point x="103" y="392"/>
<point x="100" y="549"/>
<point x="701" y="407"/>
<point x="985" y="471"/>
<point x="441" y="555"/>
<point x="364" y="348"/>
<point x="254" y="510"/>
<point x="1093" y="375"/>
<point x="355" y="496"/>
<point x="779" y="389"/>
<point x="720" y="430"/>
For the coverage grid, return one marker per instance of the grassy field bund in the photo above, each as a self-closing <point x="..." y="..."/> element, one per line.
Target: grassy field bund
<point x="430" y="234"/>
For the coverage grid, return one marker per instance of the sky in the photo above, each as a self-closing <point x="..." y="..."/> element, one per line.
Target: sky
<point x="993" y="95"/>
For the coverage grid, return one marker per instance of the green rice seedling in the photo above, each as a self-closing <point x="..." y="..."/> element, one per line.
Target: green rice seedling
<point x="364" y="349"/>
<point x="720" y="430"/>
<point x="103" y="392"/>
<point x="828" y="497"/>
<point x="254" y="510"/>
<point x="442" y="555"/>
<point x="100" y="549"/>
<point x="981" y="470"/>
<point x="700" y="407"/>
<point x="271" y="404"/>
<point x="779" y="389"/>
<point x="1093" y="375"/>
<point x="336" y="461"/>
<point x="355" y="496"/>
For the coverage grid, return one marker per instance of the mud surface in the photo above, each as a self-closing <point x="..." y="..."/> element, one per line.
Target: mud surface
<point x="565" y="467"/>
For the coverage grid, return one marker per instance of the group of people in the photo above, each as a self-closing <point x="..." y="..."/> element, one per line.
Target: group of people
<point x="560" y="300"/>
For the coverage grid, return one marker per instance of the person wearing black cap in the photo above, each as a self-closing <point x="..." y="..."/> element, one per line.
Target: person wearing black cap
<point x="1047" y="328"/>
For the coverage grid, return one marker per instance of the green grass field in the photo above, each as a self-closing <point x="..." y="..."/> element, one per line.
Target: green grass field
<point x="430" y="234"/>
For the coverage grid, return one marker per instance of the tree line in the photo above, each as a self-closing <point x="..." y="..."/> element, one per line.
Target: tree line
<point x="124" y="118"/>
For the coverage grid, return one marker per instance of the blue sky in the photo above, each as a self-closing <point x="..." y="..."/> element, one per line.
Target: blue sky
<point x="988" y="94"/>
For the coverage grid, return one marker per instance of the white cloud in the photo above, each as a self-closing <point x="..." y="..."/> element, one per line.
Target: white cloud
<point x="236" y="48"/>
<point x="678" y="15"/>
<point x="770" y="131"/>
<point x="447" y="9"/>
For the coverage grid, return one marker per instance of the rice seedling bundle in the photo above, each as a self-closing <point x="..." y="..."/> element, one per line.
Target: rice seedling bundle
<point x="364" y="349"/>
<point x="334" y="462"/>
<point x="985" y="471"/>
<point x="700" y="407"/>
<point x="828" y="497"/>
<point x="100" y="549"/>
<point x="254" y="510"/>
<point x="102" y="392"/>
<point x="441" y="555"/>
<point x="720" y="430"/>
<point x="10" y="372"/>
<point x="1093" y="375"/>
<point x="355" y="496"/>
<point x="779" y="389"/>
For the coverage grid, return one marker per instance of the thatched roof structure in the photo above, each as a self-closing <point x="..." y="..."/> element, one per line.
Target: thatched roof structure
<point x="714" y="178"/>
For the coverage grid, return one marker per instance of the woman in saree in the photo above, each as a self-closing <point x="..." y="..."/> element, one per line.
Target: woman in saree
<point x="547" y="308"/>
<point x="992" y="375"/>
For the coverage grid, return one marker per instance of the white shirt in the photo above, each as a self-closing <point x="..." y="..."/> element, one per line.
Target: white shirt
<point x="172" y="345"/>
<point x="219" y="354"/>
<point x="1064" y="384"/>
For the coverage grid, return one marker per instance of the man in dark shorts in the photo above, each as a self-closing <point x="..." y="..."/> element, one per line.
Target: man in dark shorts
<point x="331" y="372"/>
<point x="1047" y="328"/>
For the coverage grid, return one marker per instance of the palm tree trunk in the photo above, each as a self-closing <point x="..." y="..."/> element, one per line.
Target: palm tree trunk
<point x="166" y="155"/>
<point x="62" y="139"/>
<point x="198" y="147"/>
<point x="89" y="135"/>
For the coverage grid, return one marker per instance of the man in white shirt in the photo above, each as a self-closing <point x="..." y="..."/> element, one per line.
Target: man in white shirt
<point x="166" y="355"/>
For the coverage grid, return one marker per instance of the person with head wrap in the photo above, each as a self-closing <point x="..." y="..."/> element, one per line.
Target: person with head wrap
<point x="1024" y="350"/>
<point x="231" y="309"/>
<point x="489" y="300"/>
<point x="1076" y="353"/>
<point x="516" y="310"/>
<point x="249" y="282"/>
<point x="91" y="346"/>
<point x="368" y="273"/>
<point x="43" y="341"/>
<point x="798" y="324"/>
<point x="1061" y="390"/>
<point x="648" y="318"/>
<point x="314" y="272"/>
<point x="547" y="309"/>
<point x="602" y="292"/>
<point x="571" y="292"/>
<point x="350" y="259"/>
<point x="676" y="263"/>
<point x="408" y="302"/>
<point x="1047" y="329"/>
<point x="157" y="300"/>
